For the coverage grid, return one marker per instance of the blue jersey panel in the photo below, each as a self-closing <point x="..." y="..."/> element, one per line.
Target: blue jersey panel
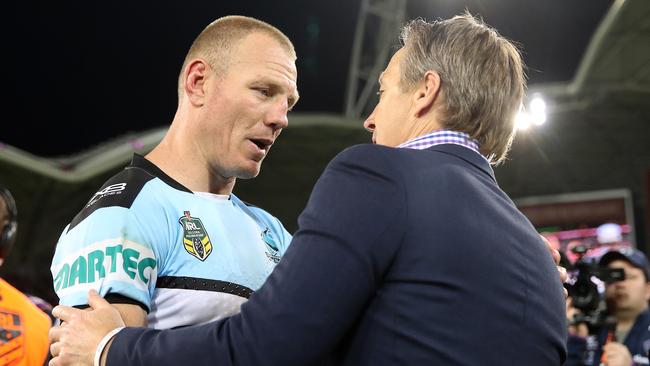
<point x="106" y="252"/>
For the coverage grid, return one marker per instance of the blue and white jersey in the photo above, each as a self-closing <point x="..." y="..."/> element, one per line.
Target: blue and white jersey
<point x="186" y="258"/>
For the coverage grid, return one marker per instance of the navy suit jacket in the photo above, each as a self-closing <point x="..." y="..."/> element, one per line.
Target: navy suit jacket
<point x="402" y="257"/>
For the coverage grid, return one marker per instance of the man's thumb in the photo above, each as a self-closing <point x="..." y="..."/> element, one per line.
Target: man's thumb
<point x="95" y="301"/>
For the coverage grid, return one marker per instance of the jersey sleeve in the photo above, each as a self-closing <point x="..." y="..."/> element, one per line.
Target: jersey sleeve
<point x="111" y="251"/>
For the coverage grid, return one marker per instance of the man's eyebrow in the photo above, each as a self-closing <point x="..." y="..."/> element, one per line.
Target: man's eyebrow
<point x="293" y="99"/>
<point x="381" y="76"/>
<point x="275" y="84"/>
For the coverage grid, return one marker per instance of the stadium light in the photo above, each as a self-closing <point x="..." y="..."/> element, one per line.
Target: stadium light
<point x="535" y="114"/>
<point x="537" y="109"/>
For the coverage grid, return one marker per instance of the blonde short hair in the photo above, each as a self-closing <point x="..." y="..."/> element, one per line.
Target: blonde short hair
<point x="217" y="42"/>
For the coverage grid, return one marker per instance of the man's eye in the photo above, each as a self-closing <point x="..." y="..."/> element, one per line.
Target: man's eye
<point x="265" y="92"/>
<point x="380" y="92"/>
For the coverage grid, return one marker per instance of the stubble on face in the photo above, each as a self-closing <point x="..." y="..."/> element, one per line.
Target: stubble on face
<point x="248" y="108"/>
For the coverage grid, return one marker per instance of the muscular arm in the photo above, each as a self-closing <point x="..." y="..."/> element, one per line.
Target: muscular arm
<point x="133" y="315"/>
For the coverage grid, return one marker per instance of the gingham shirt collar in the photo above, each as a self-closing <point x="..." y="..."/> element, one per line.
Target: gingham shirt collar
<point x="442" y="137"/>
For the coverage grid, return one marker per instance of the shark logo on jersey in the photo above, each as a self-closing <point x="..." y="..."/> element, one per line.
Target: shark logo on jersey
<point x="195" y="238"/>
<point x="271" y="247"/>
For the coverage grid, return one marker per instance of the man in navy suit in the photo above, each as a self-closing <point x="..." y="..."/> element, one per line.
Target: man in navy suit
<point x="408" y="252"/>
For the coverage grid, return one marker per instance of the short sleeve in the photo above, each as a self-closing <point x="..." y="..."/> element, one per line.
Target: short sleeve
<point x="107" y="252"/>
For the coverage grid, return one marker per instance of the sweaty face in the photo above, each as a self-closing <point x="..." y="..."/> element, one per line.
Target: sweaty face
<point x="631" y="294"/>
<point x="389" y="121"/>
<point x="246" y="108"/>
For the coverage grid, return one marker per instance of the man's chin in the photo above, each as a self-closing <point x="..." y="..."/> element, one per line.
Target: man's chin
<point x="248" y="176"/>
<point x="249" y="172"/>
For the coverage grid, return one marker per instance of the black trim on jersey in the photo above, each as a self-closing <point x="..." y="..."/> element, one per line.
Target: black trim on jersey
<point x="203" y="284"/>
<point x="141" y="162"/>
<point x="121" y="190"/>
<point x="112" y="193"/>
<point x="118" y="299"/>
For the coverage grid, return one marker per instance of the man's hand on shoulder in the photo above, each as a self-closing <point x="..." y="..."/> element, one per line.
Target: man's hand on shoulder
<point x="74" y="341"/>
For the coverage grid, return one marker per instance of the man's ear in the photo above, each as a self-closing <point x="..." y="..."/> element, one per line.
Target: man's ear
<point x="194" y="81"/>
<point x="426" y="93"/>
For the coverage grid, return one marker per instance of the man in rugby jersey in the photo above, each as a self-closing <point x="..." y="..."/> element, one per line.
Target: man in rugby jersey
<point x="165" y="240"/>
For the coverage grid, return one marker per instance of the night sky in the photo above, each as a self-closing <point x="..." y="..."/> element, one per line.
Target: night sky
<point x="83" y="72"/>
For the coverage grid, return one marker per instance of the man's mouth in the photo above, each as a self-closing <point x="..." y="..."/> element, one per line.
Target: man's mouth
<point x="262" y="143"/>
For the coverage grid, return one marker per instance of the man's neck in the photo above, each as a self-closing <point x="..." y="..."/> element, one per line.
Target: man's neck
<point x="422" y="126"/>
<point x="196" y="176"/>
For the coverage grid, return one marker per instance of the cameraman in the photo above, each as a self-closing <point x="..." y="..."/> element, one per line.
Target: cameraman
<point x="627" y="302"/>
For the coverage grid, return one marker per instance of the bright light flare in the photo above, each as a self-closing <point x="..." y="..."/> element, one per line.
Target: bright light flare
<point x="522" y="120"/>
<point x="535" y="114"/>
<point x="537" y="109"/>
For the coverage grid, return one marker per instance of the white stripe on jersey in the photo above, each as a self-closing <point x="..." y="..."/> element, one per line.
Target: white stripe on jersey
<point x="173" y="307"/>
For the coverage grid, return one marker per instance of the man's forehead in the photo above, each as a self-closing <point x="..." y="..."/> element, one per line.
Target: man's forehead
<point x="392" y="67"/>
<point x="263" y="58"/>
<point x="271" y="65"/>
<point x="258" y="46"/>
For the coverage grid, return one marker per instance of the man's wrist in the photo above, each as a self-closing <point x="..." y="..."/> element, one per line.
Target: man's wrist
<point x="102" y="347"/>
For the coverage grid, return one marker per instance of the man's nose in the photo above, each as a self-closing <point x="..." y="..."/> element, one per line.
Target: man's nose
<point x="277" y="116"/>
<point x="369" y="123"/>
<point x="619" y="284"/>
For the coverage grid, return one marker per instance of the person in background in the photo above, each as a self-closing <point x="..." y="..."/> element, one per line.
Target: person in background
<point x="23" y="326"/>
<point x="627" y="341"/>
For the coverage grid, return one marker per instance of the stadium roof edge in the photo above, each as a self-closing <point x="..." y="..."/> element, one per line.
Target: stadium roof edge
<point x="614" y="62"/>
<point x="118" y="151"/>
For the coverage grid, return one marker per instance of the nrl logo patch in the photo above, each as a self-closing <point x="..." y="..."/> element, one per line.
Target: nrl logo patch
<point x="195" y="238"/>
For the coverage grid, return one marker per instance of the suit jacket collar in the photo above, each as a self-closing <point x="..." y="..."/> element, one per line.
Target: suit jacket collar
<point x="466" y="154"/>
